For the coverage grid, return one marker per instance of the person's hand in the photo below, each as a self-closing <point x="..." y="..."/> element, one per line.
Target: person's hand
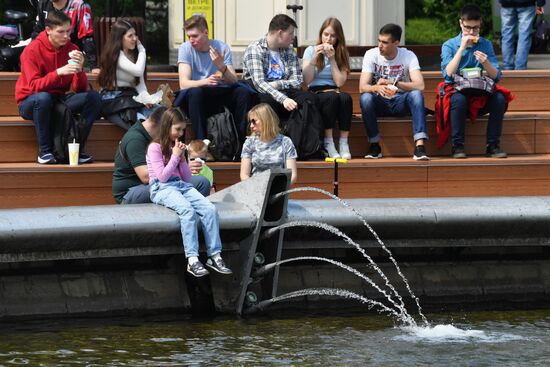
<point x="217" y="58"/>
<point x="329" y="50"/>
<point x="290" y="104"/>
<point x="178" y="148"/>
<point x="480" y="56"/>
<point x="318" y="50"/>
<point x="69" y="69"/>
<point x="468" y="40"/>
<point x="212" y="80"/>
<point x="383" y="81"/>
<point x="195" y="166"/>
<point x="540" y="9"/>
<point x="77" y="56"/>
<point x="384" y="91"/>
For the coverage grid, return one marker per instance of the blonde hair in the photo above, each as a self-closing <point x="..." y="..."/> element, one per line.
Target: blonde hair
<point x="198" y="147"/>
<point x="268" y="117"/>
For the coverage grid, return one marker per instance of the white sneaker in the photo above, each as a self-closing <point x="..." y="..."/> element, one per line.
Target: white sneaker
<point x="331" y="150"/>
<point x="344" y="151"/>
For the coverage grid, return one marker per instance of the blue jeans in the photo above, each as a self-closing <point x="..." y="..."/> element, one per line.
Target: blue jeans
<point x="373" y="105"/>
<point x="140" y="194"/>
<point x="192" y="208"/>
<point x="522" y="17"/>
<point x="459" y="109"/>
<point x="38" y="108"/>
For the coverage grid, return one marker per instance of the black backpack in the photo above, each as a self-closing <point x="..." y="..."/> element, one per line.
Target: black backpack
<point x="222" y="133"/>
<point x="304" y="127"/>
<point x="67" y="127"/>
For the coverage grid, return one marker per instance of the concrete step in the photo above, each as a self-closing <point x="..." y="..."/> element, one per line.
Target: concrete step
<point x="33" y="185"/>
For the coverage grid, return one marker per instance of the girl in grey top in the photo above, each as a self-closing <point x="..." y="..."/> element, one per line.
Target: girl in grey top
<point x="266" y="148"/>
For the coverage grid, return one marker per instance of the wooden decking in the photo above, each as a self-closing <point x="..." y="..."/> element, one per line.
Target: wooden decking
<point x="526" y="137"/>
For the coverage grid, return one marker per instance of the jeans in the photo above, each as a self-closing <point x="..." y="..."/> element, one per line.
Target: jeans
<point x="200" y="100"/>
<point x="373" y="105"/>
<point x="459" y="109"/>
<point x="523" y="18"/>
<point x="140" y="194"/>
<point x="38" y="108"/>
<point x="192" y="208"/>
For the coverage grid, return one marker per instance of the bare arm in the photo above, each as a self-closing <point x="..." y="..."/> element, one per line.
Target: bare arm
<point x="142" y="173"/>
<point x="366" y="87"/>
<point x="184" y="74"/>
<point x="246" y="168"/>
<point x="291" y="164"/>
<point x="416" y="83"/>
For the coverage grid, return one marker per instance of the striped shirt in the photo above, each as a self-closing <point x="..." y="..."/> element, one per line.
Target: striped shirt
<point x="256" y="65"/>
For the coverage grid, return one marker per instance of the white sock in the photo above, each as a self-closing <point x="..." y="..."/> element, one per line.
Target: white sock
<point x="343" y="140"/>
<point x="192" y="259"/>
<point x="216" y="257"/>
<point x="328" y="141"/>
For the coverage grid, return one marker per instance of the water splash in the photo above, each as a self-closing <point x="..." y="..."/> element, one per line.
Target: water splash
<point x="334" y="292"/>
<point x="336" y="231"/>
<point x="403" y="314"/>
<point x="378" y="239"/>
<point x="448" y="333"/>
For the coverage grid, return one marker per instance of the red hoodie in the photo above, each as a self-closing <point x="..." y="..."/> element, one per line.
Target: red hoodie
<point x="39" y="64"/>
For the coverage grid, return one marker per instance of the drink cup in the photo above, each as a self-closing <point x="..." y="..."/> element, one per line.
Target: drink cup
<point x="73" y="153"/>
<point x="72" y="62"/>
<point x="392" y="89"/>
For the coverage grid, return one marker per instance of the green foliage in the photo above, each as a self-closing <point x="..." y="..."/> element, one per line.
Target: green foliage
<point x="448" y="13"/>
<point x="427" y="31"/>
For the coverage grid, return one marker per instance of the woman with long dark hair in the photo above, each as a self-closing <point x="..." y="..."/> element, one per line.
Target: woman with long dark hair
<point x="325" y="69"/>
<point x="122" y="75"/>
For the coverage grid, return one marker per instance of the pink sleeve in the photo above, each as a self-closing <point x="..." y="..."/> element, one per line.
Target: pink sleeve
<point x="155" y="164"/>
<point x="185" y="171"/>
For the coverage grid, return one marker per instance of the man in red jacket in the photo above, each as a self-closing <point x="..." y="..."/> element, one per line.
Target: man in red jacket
<point x="50" y="67"/>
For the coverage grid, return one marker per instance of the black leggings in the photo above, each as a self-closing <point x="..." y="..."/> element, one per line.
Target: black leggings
<point x="335" y="106"/>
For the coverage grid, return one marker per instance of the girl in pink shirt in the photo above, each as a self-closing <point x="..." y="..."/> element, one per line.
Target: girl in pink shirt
<point x="169" y="186"/>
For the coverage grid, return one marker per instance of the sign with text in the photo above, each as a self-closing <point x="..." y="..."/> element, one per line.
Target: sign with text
<point x="200" y="7"/>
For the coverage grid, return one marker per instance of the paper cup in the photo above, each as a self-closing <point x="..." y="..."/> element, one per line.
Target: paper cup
<point x="72" y="62"/>
<point x="73" y="154"/>
<point x="393" y="89"/>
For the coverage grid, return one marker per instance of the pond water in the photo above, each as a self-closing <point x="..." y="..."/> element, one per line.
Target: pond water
<point x="512" y="338"/>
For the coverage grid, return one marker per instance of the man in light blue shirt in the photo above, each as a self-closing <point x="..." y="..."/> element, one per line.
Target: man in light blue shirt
<point x="469" y="50"/>
<point x="208" y="80"/>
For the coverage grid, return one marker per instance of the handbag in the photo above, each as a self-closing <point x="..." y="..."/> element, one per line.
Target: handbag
<point x="482" y="86"/>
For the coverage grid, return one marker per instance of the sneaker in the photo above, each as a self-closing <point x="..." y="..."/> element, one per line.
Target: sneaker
<point x="458" y="151"/>
<point x="197" y="269"/>
<point x="47" y="158"/>
<point x="374" y="152"/>
<point x="494" y="151"/>
<point x="344" y="151"/>
<point x="331" y="150"/>
<point x="420" y="153"/>
<point x="85" y="158"/>
<point x="218" y="265"/>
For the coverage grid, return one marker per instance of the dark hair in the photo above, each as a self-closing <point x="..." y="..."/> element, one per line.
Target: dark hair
<point x="156" y="115"/>
<point x="170" y="117"/>
<point x="281" y="22"/>
<point x="470" y="12"/>
<point x="56" y="18"/>
<point x="195" y="21"/>
<point x="111" y="52"/>
<point x="340" y="50"/>
<point x="393" y="30"/>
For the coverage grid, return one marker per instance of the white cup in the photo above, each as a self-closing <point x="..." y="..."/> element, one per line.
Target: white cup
<point x="73" y="154"/>
<point x="393" y="89"/>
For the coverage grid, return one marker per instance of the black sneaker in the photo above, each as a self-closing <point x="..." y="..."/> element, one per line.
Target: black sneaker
<point x="494" y="151"/>
<point x="218" y="265"/>
<point x="197" y="269"/>
<point x="85" y="158"/>
<point x="374" y="152"/>
<point x="46" y="158"/>
<point x="420" y="153"/>
<point x="458" y="151"/>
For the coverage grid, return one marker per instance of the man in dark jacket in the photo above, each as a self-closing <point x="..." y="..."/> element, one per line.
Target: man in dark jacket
<point x="520" y="13"/>
<point x="82" y="30"/>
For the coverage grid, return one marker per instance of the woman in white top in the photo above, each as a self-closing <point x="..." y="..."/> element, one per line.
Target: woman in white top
<point x="122" y="75"/>
<point x="325" y="69"/>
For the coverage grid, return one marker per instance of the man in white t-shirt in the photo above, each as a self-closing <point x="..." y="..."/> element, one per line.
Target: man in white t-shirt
<point x="208" y="80"/>
<point x="391" y="85"/>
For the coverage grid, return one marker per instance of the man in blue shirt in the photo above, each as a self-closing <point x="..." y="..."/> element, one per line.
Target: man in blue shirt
<point x="208" y="79"/>
<point x="469" y="50"/>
